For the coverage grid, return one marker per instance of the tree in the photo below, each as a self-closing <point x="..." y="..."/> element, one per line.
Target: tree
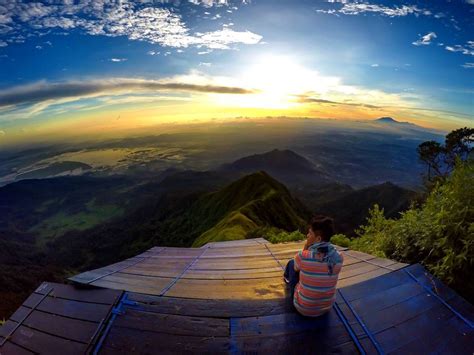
<point x="441" y="159"/>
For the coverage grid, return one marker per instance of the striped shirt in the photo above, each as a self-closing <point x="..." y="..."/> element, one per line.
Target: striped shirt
<point x="315" y="292"/>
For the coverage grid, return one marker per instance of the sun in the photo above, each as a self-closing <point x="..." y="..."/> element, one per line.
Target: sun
<point x="277" y="81"/>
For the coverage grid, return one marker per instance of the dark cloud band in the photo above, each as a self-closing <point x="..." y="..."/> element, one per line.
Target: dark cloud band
<point x="43" y="91"/>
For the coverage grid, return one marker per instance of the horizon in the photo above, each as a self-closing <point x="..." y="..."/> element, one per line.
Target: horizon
<point x="100" y="71"/>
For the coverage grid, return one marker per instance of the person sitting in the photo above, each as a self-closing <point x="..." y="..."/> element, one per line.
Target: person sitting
<point x="313" y="273"/>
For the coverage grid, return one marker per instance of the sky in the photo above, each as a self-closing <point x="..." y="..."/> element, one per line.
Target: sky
<point x="79" y="68"/>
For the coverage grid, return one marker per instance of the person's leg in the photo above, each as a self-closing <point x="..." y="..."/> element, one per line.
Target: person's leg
<point x="292" y="276"/>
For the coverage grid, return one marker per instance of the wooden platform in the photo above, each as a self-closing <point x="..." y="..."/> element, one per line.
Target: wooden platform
<point x="229" y="298"/>
<point x="248" y="269"/>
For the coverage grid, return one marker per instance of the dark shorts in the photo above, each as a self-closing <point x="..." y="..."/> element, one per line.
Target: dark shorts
<point x="291" y="275"/>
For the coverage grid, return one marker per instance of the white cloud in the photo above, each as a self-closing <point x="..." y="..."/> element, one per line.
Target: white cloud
<point x="204" y="64"/>
<point x="375" y="65"/>
<point x="425" y="40"/>
<point x="140" y="20"/>
<point x="359" y="8"/>
<point x="118" y="60"/>
<point x="3" y="44"/>
<point x="467" y="49"/>
<point x="209" y="3"/>
<point x="152" y="53"/>
<point x="468" y="65"/>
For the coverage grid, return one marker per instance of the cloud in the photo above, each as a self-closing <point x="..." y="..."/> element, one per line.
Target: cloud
<point x="139" y="21"/>
<point x="468" y="65"/>
<point x="42" y="92"/>
<point x="375" y="65"/>
<point x="467" y="49"/>
<point x="309" y="99"/>
<point x="3" y="44"/>
<point x="118" y="60"/>
<point x="209" y="3"/>
<point x="360" y="8"/>
<point x="425" y="40"/>
<point x="152" y="53"/>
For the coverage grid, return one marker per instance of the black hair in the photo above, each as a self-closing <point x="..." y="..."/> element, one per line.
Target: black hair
<point x="323" y="224"/>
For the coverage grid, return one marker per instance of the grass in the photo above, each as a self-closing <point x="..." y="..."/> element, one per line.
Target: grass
<point x="235" y="226"/>
<point x="62" y="222"/>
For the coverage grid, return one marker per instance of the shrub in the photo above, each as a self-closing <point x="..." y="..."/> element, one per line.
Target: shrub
<point x="439" y="234"/>
<point x="341" y="240"/>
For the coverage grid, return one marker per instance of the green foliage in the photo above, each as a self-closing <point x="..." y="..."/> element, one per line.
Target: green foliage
<point x="2" y="321"/>
<point x="61" y="222"/>
<point x="441" y="159"/>
<point x="439" y="234"/>
<point x="276" y="235"/>
<point x="341" y="240"/>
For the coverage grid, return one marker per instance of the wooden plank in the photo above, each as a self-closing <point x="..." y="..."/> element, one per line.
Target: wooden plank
<point x="210" y="307"/>
<point x="357" y="279"/>
<point x="356" y="269"/>
<point x="457" y="344"/>
<point x="231" y="289"/>
<point x="281" y="324"/>
<point x="443" y="291"/>
<point x="234" y="243"/>
<point x="227" y="264"/>
<point x="325" y="339"/>
<point x="374" y="285"/>
<point x="12" y="349"/>
<point x="44" y="343"/>
<point x="399" y="313"/>
<point x="126" y="341"/>
<point x="79" y="310"/>
<point x="73" y="329"/>
<point x="92" y="275"/>
<point x="386" y="298"/>
<point x="428" y="325"/>
<point x="20" y="314"/>
<point x="237" y="252"/>
<point x="173" y="324"/>
<point x="90" y="295"/>
<point x="7" y="328"/>
<point x="188" y="252"/>
<point x="233" y="274"/>
<point x="136" y="283"/>
<point x="358" y="254"/>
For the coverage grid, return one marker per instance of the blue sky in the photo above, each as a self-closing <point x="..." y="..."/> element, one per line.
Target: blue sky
<point x="410" y="59"/>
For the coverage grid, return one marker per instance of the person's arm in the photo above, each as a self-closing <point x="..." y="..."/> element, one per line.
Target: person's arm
<point x="309" y="241"/>
<point x="297" y="263"/>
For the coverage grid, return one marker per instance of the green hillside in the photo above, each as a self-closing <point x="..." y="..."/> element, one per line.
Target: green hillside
<point x="253" y="201"/>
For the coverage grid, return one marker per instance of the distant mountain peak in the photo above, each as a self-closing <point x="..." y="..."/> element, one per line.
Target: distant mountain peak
<point x="387" y="120"/>
<point x="391" y="120"/>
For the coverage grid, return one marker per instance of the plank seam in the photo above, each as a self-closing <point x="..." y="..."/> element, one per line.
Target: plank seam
<point x="59" y="315"/>
<point x="278" y="261"/>
<point x="456" y="313"/>
<point x="24" y="318"/>
<point x="362" y="324"/>
<point x="115" y="312"/>
<point x="70" y="299"/>
<point x="172" y="283"/>
<point x="349" y="329"/>
<point x="126" y="267"/>
<point x="369" y="262"/>
<point x="207" y="279"/>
